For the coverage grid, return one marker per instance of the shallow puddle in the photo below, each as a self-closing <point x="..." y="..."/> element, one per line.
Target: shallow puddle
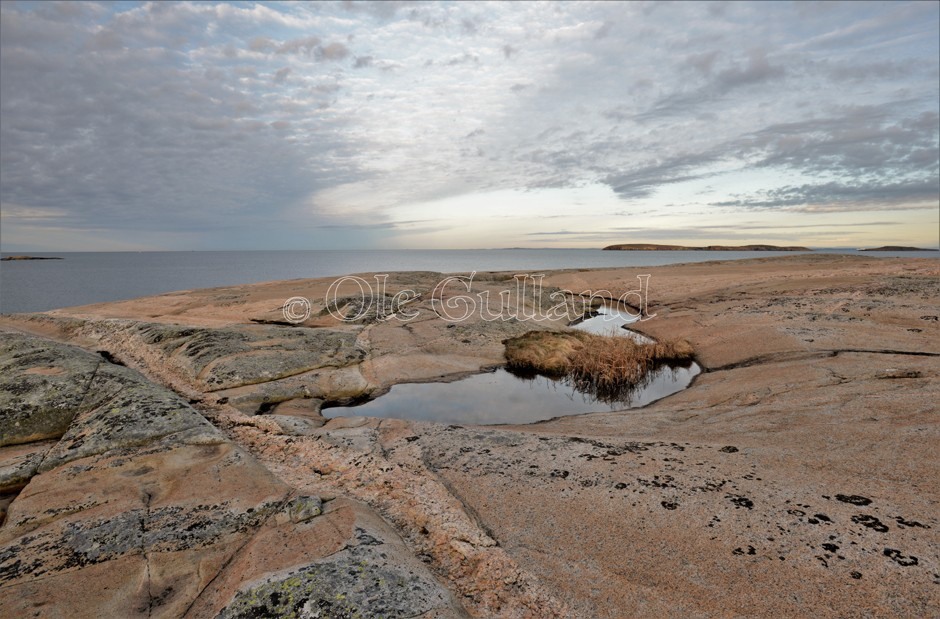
<point x="611" y="321"/>
<point x="501" y="396"/>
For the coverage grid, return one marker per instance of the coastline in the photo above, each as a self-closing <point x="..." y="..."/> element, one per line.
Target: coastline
<point x="819" y="374"/>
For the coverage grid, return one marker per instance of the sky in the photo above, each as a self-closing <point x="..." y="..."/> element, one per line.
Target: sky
<point x="361" y="125"/>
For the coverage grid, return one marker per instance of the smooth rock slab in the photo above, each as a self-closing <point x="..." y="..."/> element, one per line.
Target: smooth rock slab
<point x="138" y="413"/>
<point x="43" y="385"/>
<point x="223" y="358"/>
<point x="144" y="509"/>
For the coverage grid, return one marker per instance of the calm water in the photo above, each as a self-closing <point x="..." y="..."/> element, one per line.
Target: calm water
<point x="502" y="397"/>
<point x="89" y="277"/>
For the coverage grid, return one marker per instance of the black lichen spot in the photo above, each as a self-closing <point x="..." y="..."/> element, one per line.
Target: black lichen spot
<point x="729" y="449"/>
<point x="670" y="505"/>
<point x="856" y="575"/>
<point x="853" y="499"/>
<point x="871" y="522"/>
<point x="411" y="439"/>
<point x="897" y="557"/>
<point x="559" y="474"/>
<point x="822" y="517"/>
<point x="740" y="551"/>
<point x="830" y="547"/>
<point x="620" y="485"/>
<point x="741" y="501"/>
<point x="910" y="523"/>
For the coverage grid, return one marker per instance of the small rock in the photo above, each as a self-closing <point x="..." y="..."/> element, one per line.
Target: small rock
<point x="303" y="508"/>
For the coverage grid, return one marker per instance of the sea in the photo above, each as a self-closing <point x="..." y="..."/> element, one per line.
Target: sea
<point x="81" y="278"/>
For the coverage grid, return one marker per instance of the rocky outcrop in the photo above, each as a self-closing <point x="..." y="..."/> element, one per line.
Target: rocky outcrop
<point x="144" y="509"/>
<point x="42" y="387"/>
<point x="796" y="476"/>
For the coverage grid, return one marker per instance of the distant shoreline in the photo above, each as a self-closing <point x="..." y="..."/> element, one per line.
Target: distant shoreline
<point x="5" y="258"/>
<point x="655" y="247"/>
<point x="897" y="248"/>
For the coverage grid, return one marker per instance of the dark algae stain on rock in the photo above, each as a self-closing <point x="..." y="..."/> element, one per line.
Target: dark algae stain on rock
<point x="853" y="499"/>
<point x="900" y="559"/>
<point x="741" y="501"/>
<point x="871" y="522"/>
<point x="909" y="523"/>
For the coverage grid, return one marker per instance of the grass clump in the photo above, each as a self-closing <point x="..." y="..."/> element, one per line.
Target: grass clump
<point x="609" y="367"/>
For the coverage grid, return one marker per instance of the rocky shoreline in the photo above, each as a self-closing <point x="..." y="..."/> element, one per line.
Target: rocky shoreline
<point x="796" y="476"/>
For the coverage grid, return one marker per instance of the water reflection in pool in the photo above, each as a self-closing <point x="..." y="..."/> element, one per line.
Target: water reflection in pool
<point x="502" y="397"/>
<point x="611" y="321"/>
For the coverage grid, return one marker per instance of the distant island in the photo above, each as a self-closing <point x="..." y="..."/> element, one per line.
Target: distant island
<point x="897" y="248"/>
<point x="30" y="258"/>
<point x="655" y="247"/>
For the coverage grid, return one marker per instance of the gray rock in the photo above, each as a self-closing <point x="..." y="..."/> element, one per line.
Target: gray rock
<point x="225" y="358"/>
<point x="136" y="413"/>
<point x="43" y="385"/>
<point x="19" y="463"/>
<point x="358" y="581"/>
<point x="303" y="508"/>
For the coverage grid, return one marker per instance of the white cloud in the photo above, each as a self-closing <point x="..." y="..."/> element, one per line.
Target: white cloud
<point x="230" y="122"/>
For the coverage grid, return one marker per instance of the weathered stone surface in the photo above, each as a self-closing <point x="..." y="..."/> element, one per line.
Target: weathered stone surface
<point x="794" y="477"/>
<point x="144" y="509"/>
<point x="295" y="425"/>
<point x="136" y="414"/>
<point x="41" y="388"/>
<point x="362" y="580"/>
<point x="19" y="463"/>
<point x="220" y="358"/>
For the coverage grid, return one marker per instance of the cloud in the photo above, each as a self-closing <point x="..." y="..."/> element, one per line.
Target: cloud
<point x="838" y="197"/>
<point x="643" y="181"/>
<point x="280" y="76"/>
<point x="217" y="125"/>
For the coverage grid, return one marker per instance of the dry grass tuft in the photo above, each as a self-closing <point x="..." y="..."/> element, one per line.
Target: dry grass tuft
<point x="543" y="352"/>
<point x="609" y="367"/>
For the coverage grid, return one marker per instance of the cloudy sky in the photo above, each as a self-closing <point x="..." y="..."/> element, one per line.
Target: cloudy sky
<point x="435" y="125"/>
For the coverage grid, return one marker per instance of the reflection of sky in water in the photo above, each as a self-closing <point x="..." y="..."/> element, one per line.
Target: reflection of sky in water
<point x="610" y="321"/>
<point x="501" y="397"/>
